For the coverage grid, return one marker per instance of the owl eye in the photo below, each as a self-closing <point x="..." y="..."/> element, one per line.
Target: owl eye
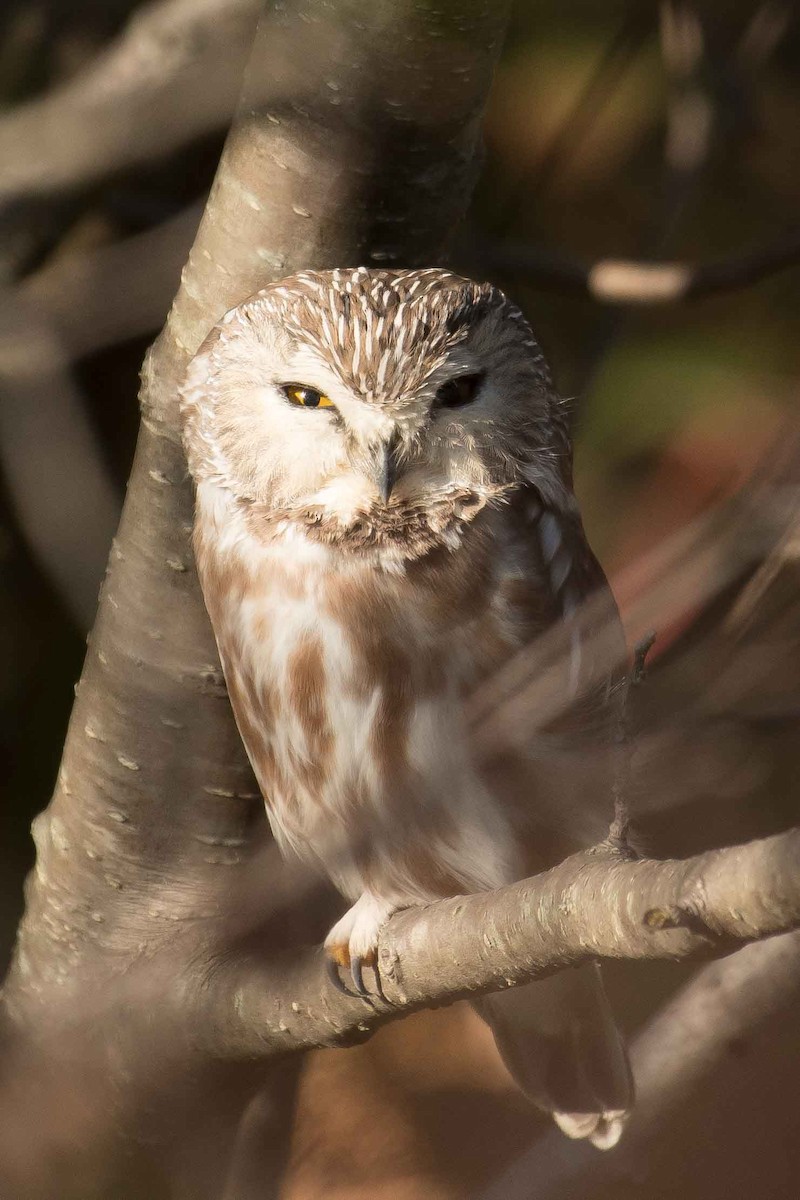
<point x="457" y="392"/>
<point x="306" y="397"/>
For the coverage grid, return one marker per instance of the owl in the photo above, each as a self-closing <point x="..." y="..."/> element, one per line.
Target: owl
<point x="384" y="517"/>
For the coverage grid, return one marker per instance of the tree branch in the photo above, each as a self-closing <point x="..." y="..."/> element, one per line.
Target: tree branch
<point x="94" y="298"/>
<point x="596" y="904"/>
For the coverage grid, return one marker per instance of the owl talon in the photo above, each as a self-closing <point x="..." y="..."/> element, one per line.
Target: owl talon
<point x="357" y="975"/>
<point x="332" y="966"/>
<point x="334" y="978"/>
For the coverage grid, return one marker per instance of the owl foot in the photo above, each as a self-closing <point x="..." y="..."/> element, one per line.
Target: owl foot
<point x="353" y="941"/>
<point x="355" y="967"/>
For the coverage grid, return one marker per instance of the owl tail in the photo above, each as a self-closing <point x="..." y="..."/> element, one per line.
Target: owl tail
<point x="560" y="1043"/>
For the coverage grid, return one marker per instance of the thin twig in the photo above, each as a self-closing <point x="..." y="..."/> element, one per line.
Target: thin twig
<point x="620" y="281"/>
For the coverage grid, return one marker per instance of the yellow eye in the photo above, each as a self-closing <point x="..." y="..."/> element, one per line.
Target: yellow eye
<point x="306" y="397"/>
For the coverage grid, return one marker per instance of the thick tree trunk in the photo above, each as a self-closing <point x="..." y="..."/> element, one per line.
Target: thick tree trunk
<point x="153" y="857"/>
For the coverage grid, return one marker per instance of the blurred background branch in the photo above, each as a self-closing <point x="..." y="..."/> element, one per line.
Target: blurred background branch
<point x="632" y="282"/>
<point x="44" y="436"/>
<point x="173" y="74"/>
<point x="112" y="292"/>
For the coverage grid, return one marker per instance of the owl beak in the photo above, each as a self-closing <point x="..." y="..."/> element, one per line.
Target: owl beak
<point x="386" y="467"/>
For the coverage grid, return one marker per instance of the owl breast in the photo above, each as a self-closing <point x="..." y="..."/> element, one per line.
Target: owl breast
<point x="347" y="684"/>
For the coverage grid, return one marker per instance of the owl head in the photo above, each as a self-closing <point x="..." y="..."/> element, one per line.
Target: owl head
<point x="373" y="407"/>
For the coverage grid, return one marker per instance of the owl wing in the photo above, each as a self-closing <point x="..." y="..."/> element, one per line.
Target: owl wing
<point x="551" y="722"/>
<point x="547" y="723"/>
<point x="549" y="535"/>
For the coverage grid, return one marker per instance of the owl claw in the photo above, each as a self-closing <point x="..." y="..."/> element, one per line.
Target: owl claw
<point x="357" y="976"/>
<point x="352" y="943"/>
<point x="355" y="966"/>
<point x="334" y="978"/>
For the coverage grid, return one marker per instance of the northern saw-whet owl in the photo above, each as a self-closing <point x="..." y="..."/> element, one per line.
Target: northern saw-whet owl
<point x="384" y="516"/>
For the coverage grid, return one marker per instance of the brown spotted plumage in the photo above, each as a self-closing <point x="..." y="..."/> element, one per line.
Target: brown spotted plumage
<point x="384" y="518"/>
